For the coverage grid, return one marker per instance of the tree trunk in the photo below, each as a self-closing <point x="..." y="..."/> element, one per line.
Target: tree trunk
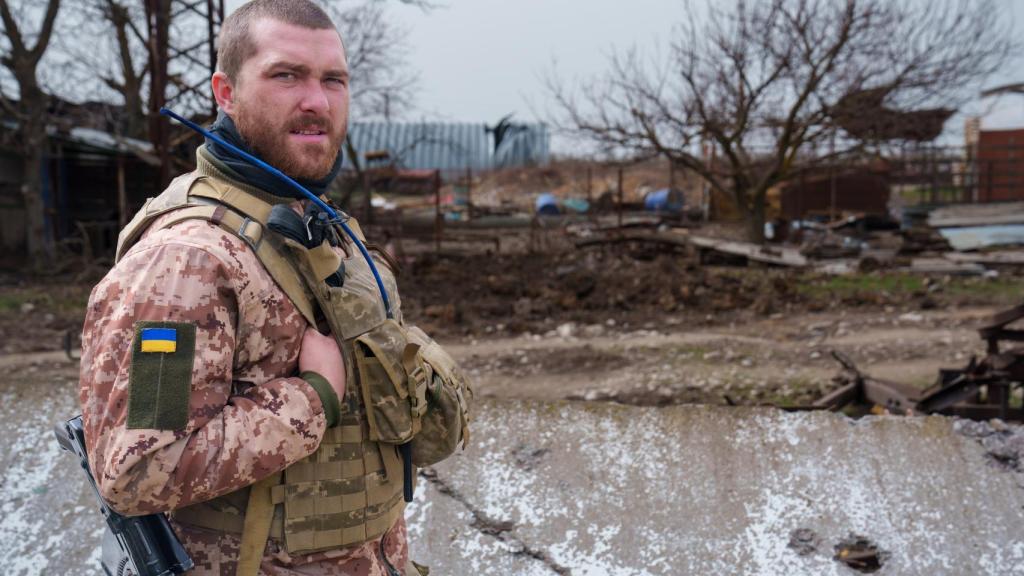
<point x="750" y="203"/>
<point x="755" y="218"/>
<point x="39" y="240"/>
<point x="158" y="17"/>
<point x="131" y="87"/>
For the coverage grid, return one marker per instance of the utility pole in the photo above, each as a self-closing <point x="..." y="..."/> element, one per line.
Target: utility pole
<point x="158" y="17"/>
<point x="214" y="18"/>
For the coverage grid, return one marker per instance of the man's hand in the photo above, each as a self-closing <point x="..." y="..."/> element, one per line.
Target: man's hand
<point x="321" y="354"/>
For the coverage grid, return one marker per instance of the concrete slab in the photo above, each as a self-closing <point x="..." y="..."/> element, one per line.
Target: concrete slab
<point x="49" y="523"/>
<point x="593" y="489"/>
<point x="601" y="489"/>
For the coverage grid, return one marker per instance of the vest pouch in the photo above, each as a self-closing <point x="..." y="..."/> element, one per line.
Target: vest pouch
<point x="445" y="422"/>
<point x="392" y="409"/>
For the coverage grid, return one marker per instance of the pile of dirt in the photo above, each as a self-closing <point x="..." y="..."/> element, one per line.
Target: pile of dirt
<point x="517" y="293"/>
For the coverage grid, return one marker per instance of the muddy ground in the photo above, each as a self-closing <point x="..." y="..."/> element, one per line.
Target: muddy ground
<point x="625" y="325"/>
<point x="609" y="326"/>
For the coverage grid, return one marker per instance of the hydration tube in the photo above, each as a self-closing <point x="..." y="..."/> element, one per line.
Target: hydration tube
<point x="287" y="180"/>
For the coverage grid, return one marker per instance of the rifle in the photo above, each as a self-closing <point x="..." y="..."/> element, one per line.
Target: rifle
<point x="149" y="546"/>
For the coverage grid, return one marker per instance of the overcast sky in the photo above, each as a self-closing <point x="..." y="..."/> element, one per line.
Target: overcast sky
<point x="479" y="60"/>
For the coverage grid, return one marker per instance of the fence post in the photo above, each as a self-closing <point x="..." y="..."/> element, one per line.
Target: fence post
<point x="438" y="218"/>
<point x="620" y="196"/>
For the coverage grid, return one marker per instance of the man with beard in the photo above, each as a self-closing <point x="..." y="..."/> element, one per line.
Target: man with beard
<point x="248" y="380"/>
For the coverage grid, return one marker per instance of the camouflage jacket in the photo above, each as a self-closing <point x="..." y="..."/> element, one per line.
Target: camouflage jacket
<point x="247" y="416"/>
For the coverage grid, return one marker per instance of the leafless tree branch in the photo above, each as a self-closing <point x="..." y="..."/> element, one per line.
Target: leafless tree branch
<point x="768" y="83"/>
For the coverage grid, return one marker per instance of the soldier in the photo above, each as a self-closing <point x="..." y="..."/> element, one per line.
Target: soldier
<point x="253" y="384"/>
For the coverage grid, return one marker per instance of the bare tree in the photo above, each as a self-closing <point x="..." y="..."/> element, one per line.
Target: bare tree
<point x="113" y="66"/>
<point x="171" y="37"/>
<point x="129" y="78"/>
<point x="781" y="86"/>
<point x="383" y="86"/>
<point x="25" y="45"/>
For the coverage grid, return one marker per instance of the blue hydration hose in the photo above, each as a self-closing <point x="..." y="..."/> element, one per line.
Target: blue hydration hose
<point x="287" y="180"/>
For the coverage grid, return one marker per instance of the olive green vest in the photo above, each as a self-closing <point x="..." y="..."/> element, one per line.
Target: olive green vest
<point x="349" y="490"/>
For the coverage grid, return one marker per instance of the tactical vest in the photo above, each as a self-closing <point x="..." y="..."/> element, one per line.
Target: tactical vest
<point x="349" y="490"/>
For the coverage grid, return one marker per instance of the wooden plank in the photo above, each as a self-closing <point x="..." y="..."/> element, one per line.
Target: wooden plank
<point x="768" y="254"/>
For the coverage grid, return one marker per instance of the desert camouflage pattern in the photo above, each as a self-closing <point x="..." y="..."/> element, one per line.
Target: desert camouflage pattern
<point x="445" y="424"/>
<point x="247" y="418"/>
<point x="216" y="553"/>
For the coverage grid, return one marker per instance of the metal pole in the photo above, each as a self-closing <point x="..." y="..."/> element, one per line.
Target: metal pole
<point x="157" y="20"/>
<point x="620" y="196"/>
<point x="991" y="175"/>
<point x="369" y="196"/>
<point x="122" y="195"/>
<point x="469" y="192"/>
<point x="590" y="197"/>
<point x="832" y="179"/>
<point x="212" y="47"/>
<point x="438" y="220"/>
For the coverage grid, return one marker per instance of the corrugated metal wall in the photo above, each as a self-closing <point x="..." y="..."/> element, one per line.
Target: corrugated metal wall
<point x="451" y="148"/>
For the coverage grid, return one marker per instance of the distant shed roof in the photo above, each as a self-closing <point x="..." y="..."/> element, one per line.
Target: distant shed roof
<point x="451" y="147"/>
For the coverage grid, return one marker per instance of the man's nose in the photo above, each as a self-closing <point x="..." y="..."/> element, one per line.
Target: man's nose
<point x="314" y="98"/>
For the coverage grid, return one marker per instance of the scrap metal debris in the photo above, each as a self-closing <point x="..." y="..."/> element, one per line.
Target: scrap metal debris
<point x="861" y="554"/>
<point x="1004" y="443"/>
<point x="982" y="390"/>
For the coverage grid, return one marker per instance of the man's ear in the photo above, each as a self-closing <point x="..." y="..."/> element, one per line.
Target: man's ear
<point x="223" y="92"/>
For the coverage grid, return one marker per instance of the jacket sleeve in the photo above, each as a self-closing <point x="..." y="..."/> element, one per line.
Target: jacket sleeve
<point x="236" y="432"/>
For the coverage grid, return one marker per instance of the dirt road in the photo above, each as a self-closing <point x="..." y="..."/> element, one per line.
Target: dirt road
<point x="782" y="360"/>
<point x="779" y="359"/>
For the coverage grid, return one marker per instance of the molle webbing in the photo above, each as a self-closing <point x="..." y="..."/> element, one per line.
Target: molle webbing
<point x="349" y="490"/>
<point x="341" y="495"/>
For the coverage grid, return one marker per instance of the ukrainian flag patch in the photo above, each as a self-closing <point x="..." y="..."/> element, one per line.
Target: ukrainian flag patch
<point x="160" y="379"/>
<point x="159" y="339"/>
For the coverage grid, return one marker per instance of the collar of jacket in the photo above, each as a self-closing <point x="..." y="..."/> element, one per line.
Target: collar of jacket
<point x="209" y="165"/>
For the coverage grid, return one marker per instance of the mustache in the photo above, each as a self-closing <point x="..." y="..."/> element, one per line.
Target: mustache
<point x="322" y="125"/>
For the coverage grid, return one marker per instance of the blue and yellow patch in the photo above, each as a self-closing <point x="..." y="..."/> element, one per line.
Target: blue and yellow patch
<point x="159" y="339"/>
<point x="160" y="378"/>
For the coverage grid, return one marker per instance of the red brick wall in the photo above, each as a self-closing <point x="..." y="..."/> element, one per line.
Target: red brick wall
<point x="1000" y="165"/>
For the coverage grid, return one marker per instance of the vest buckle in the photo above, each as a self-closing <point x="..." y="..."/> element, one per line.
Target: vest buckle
<point x="253" y="242"/>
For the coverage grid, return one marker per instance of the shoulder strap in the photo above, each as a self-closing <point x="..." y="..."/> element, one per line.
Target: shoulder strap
<point x="259" y="516"/>
<point x="195" y="197"/>
<point x="174" y="197"/>
<point x="269" y="253"/>
<point x="245" y="203"/>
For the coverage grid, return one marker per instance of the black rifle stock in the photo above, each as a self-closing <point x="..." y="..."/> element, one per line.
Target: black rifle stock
<point x="150" y="544"/>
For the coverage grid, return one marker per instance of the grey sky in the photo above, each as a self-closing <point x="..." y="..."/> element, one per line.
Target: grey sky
<point x="481" y="59"/>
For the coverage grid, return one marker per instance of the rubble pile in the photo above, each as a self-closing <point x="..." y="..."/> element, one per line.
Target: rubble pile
<point x="1003" y="443"/>
<point x="516" y="293"/>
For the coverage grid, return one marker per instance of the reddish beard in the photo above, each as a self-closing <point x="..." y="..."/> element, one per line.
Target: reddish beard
<point x="269" y="140"/>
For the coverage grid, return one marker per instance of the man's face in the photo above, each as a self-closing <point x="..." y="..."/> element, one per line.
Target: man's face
<point x="290" y="99"/>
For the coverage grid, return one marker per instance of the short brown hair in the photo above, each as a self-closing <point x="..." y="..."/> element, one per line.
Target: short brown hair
<point x="235" y="43"/>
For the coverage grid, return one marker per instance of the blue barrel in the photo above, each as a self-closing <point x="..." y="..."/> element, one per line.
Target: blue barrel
<point x="547" y="203"/>
<point x="664" y="200"/>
